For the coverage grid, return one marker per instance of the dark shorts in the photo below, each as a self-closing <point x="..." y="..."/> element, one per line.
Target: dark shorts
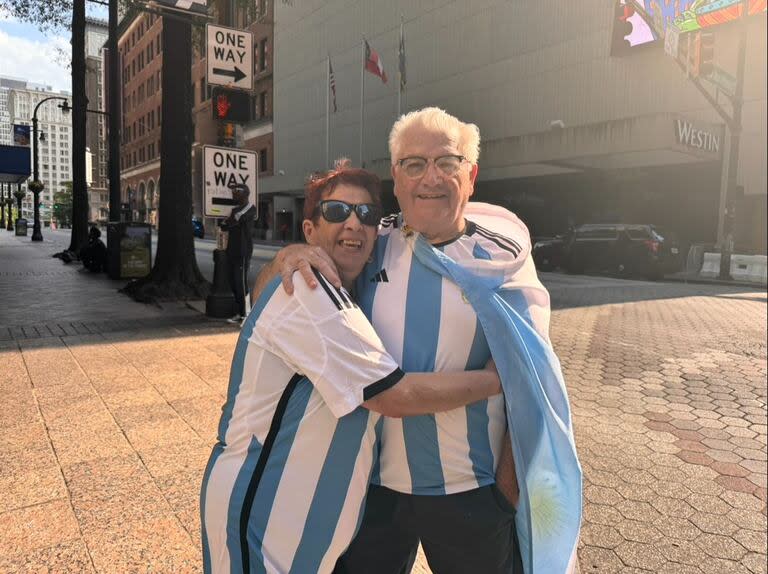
<point x="470" y="531"/>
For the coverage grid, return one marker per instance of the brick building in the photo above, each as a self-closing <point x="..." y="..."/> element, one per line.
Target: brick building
<point x="140" y="49"/>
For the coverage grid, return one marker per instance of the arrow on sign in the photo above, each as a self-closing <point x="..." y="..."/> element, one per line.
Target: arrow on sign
<point x="237" y="73"/>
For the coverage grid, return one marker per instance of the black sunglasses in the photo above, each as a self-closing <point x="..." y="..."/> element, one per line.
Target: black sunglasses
<point x="336" y="211"/>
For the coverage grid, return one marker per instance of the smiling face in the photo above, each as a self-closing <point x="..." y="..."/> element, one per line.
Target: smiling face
<point x="432" y="204"/>
<point x="349" y="243"/>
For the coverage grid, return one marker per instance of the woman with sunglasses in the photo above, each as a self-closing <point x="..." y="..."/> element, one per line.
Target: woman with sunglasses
<point x="298" y="439"/>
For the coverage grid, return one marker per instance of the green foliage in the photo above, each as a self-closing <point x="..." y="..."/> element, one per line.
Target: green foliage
<point x="45" y="14"/>
<point x="62" y="204"/>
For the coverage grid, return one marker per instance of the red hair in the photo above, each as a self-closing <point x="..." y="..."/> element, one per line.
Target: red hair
<point x="320" y="185"/>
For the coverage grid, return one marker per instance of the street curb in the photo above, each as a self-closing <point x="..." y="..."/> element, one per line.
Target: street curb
<point x="708" y="281"/>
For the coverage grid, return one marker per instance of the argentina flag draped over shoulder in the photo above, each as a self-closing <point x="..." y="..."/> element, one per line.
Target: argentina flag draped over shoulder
<point x="513" y="308"/>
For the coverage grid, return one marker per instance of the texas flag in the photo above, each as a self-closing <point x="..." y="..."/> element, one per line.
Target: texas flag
<point x="373" y="62"/>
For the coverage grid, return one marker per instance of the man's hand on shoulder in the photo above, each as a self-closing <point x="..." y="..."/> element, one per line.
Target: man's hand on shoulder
<point x="303" y="258"/>
<point x="292" y="258"/>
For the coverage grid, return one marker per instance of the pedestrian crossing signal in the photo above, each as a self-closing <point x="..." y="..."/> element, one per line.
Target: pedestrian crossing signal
<point x="231" y="105"/>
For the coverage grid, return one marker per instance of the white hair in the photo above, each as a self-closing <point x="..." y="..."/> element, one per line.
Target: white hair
<point x="466" y="136"/>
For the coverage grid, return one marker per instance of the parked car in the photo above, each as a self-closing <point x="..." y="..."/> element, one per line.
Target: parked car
<point x="548" y="252"/>
<point x="625" y="249"/>
<point x="198" y="229"/>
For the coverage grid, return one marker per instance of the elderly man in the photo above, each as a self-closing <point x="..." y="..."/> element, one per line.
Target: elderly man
<point x="441" y="478"/>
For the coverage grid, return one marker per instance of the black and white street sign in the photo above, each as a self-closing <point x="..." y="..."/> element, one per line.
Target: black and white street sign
<point x="230" y="57"/>
<point x="195" y="6"/>
<point x="223" y="167"/>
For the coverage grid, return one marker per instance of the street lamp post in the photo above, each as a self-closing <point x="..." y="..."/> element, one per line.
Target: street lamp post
<point x="9" y="203"/>
<point x="36" y="186"/>
<point x="19" y="193"/>
<point x="2" y="208"/>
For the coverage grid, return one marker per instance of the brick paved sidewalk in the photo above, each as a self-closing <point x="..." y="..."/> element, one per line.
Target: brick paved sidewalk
<point x="104" y="436"/>
<point x="41" y="296"/>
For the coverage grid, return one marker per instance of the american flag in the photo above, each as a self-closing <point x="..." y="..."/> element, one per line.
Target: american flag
<point x="332" y="84"/>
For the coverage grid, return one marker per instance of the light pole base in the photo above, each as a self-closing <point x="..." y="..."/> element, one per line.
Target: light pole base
<point x="37" y="236"/>
<point x="220" y="304"/>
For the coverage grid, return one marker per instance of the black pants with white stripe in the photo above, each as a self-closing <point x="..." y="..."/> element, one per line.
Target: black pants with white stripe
<point x="238" y="279"/>
<point x="462" y="533"/>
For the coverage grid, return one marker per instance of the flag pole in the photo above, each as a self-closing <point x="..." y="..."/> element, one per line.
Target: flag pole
<point x="362" y="99"/>
<point x="328" y="112"/>
<point x="399" y="70"/>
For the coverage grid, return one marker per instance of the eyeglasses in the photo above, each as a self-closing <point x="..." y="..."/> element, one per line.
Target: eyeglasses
<point x="336" y="211"/>
<point x="415" y="167"/>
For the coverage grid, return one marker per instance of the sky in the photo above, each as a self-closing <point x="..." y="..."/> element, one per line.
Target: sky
<point x="41" y="57"/>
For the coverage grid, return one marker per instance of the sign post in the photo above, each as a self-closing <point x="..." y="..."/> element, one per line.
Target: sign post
<point x="229" y="55"/>
<point x="223" y="167"/>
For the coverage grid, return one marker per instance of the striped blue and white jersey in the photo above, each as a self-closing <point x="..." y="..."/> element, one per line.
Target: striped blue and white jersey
<point x="427" y="325"/>
<point x="285" y="484"/>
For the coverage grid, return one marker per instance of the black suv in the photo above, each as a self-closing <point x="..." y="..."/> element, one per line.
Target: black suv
<point x="621" y="248"/>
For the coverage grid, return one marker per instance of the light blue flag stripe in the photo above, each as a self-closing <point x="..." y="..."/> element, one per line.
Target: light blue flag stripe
<point x="215" y="454"/>
<point x="480" y="452"/>
<point x="422" y="325"/>
<point x="236" y="505"/>
<point x="549" y="475"/>
<point x="366" y="290"/>
<point x="273" y="472"/>
<point x="330" y="492"/>
<point x="376" y="468"/>
<point x="238" y="360"/>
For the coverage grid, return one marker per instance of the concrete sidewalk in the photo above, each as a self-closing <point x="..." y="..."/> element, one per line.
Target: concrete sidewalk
<point x="42" y="296"/>
<point x="105" y="429"/>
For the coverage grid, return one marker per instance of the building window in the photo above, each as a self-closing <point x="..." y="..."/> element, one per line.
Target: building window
<point x="263" y="55"/>
<point x="261" y="105"/>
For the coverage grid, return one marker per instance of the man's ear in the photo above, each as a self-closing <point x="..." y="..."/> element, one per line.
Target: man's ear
<point x="309" y="229"/>
<point x="473" y="173"/>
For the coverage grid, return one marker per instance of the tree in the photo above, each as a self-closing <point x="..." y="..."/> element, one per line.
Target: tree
<point x="52" y="15"/>
<point x="62" y="204"/>
<point x="45" y="14"/>
<point x="79" y="235"/>
<point x="175" y="274"/>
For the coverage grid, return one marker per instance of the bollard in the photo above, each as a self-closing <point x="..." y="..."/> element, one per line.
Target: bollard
<point x="220" y="303"/>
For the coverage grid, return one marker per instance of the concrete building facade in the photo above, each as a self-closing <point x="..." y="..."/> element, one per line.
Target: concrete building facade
<point x="54" y="141"/>
<point x="96" y="35"/>
<point x="6" y="128"/>
<point x="570" y="133"/>
<point x="140" y="50"/>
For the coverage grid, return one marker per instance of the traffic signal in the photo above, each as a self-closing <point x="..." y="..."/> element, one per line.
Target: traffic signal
<point x="231" y="105"/>
<point x="622" y="27"/>
<point x="227" y="135"/>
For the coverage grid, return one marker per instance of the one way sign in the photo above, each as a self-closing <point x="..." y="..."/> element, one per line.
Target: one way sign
<point x="230" y="57"/>
<point x="223" y="167"/>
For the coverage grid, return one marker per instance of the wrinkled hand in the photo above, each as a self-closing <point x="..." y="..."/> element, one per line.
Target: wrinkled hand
<point x="303" y="258"/>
